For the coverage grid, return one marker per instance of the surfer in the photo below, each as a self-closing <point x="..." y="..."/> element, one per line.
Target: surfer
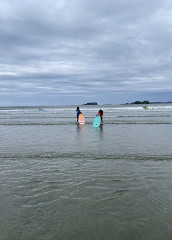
<point x="100" y="113"/>
<point x="145" y="107"/>
<point x="78" y="112"/>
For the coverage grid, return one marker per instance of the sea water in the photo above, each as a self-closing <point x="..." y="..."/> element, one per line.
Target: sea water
<point x="60" y="180"/>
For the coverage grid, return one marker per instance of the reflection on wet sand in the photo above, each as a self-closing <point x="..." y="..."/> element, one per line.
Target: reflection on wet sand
<point x="80" y="129"/>
<point x="99" y="131"/>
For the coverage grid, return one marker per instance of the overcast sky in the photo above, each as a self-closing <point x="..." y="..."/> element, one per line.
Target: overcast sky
<point x="55" y="52"/>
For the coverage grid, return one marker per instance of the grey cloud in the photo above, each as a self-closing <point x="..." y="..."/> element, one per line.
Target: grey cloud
<point x="85" y="46"/>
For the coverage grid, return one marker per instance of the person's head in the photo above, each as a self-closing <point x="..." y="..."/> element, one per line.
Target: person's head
<point x="101" y="111"/>
<point x="77" y="108"/>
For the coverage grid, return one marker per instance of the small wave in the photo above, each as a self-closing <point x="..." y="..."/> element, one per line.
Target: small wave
<point x="37" y="124"/>
<point x="93" y="156"/>
<point x="106" y="123"/>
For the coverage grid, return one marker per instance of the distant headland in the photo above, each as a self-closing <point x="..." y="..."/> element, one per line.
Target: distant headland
<point x="140" y="102"/>
<point x="90" y="103"/>
<point x="147" y="102"/>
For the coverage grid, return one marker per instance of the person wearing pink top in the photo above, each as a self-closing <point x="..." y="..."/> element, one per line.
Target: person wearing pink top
<point x="101" y="115"/>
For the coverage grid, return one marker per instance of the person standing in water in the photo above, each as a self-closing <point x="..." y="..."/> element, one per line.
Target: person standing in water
<point x="100" y="113"/>
<point x="77" y="112"/>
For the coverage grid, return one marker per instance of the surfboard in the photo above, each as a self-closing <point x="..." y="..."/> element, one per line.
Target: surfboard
<point x="97" y="121"/>
<point x="146" y="108"/>
<point x="81" y="118"/>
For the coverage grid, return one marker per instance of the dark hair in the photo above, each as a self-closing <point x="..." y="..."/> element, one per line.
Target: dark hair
<point x="101" y="111"/>
<point x="77" y="108"/>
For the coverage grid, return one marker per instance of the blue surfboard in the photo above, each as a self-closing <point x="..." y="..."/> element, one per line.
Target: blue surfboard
<point x="97" y="121"/>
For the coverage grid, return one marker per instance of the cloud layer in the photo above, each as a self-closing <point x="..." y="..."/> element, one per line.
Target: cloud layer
<point x="67" y="52"/>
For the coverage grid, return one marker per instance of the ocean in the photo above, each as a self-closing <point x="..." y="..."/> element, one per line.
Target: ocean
<point x="63" y="181"/>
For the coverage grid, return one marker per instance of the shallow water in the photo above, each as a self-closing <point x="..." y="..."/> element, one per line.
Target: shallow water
<point x="60" y="180"/>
